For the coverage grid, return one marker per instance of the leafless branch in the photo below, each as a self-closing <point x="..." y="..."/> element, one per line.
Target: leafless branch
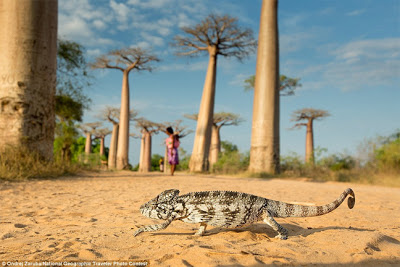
<point x="125" y="59"/>
<point x="221" y="32"/>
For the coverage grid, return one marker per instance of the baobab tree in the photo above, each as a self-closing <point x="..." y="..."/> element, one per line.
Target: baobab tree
<point x="111" y="114"/>
<point x="101" y="134"/>
<point x="89" y="129"/>
<point x="125" y="60"/>
<point x="220" y="120"/>
<point x="148" y="129"/>
<point x="309" y="115"/>
<point x="28" y="53"/>
<point x="264" y="151"/>
<point x="287" y="85"/>
<point x="215" y="35"/>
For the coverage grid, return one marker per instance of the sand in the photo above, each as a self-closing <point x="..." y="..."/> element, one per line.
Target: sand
<point x="93" y="218"/>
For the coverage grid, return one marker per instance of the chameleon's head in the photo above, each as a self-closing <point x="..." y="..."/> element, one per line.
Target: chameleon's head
<point x="161" y="206"/>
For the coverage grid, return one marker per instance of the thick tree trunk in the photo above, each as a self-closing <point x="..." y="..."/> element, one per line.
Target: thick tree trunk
<point x="215" y="147"/>
<point x="264" y="152"/>
<point x="123" y="135"/>
<point x="102" y="146"/>
<point x="88" y="144"/>
<point x="146" y="159"/>
<point x="28" y="54"/>
<point x="112" y="153"/>
<point x="141" y="157"/>
<point x="201" y="147"/>
<point x="310" y="143"/>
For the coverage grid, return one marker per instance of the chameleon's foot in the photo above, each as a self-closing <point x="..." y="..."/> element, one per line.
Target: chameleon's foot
<point x="198" y="233"/>
<point x="201" y="230"/>
<point x="138" y="232"/>
<point x="282" y="237"/>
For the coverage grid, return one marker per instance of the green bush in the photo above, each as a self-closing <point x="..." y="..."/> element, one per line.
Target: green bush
<point x="387" y="156"/>
<point x="230" y="160"/>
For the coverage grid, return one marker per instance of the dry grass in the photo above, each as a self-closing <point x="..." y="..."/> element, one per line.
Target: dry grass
<point x="19" y="163"/>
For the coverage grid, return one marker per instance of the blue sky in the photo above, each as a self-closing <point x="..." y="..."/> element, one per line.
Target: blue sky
<point x="347" y="54"/>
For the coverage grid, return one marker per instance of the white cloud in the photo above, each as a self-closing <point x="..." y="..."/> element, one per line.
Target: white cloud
<point x="99" y="24"/>
<point x="356" y="12"/>
<point x="359" y="64"/>
<point x="153" y="40"/>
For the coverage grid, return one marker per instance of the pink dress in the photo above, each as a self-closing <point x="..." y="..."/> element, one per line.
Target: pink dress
<point x="173" y="158"/>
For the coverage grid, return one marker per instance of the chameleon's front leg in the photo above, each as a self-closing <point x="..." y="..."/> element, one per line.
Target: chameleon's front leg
<point x="268" y="219"/>
<point x="153" y="227"/>
<point x="201" y="230"/>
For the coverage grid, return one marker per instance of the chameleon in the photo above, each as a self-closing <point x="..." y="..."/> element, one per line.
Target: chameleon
<point x="229" y="209"/>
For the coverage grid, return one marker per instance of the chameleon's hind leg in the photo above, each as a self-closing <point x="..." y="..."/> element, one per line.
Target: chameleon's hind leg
<point x="202" y="229"/>
<point x="268" y="219"/>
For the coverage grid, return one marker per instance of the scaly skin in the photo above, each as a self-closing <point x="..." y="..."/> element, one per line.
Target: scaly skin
<point x="228" y="209"/>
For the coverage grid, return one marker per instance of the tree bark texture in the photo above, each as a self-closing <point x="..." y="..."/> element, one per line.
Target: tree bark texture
<point x="199" y="159"/>
<point x="123" y="135"/>
<point x="215" y="147"/>
<point x="102" y="153"/>
<point x="142" y="144"/>
<point x="310" y="142"/>
<point x="88" y="143"/>
<point x="145" y="165"/>
<point x="264" y="152"/>
<point x="28" y="54"/>
<point x="112" y="153"/>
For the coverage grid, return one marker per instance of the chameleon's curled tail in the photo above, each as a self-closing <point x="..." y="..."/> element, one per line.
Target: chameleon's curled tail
<point x="293" y="210"/>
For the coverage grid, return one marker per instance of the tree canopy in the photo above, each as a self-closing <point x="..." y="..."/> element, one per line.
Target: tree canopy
<point x="287" y="85"/>
<point x="125" y="59"/>
<point x="308" y="114"/>
<point x="219" y="32"/>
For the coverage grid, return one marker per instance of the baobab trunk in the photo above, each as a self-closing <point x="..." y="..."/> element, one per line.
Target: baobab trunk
<point x="88" y="144"/>
<point x="28" y="53"/>
<point x="112" y="153"/>
<point x="123" y="135"/>
<point x="310" y="143"/>
<point x="146" y="160"/>
<point x="201" y="147"/>
<point x="102" y="146"/>
<point x="141" y="157"/>
<point x="264" y="152"/>
<point x="215" y="147"/>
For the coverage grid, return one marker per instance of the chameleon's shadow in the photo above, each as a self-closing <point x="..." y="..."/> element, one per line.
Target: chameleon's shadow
<point x="294" y="230"/>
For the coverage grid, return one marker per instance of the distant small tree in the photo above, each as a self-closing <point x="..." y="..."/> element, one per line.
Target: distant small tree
<point x="215" y="35"/>
<point x="148" y="129"/>
<point x="89" y="129"/>
<point x="287" y="85"/>
<point x="220" y="120"/>
<point x="125" y="60"/>
<point x="70" y="99"/>
<point x="309" y="115"/>
<point x="111" y="114"/>
<point x="101" y="135"/>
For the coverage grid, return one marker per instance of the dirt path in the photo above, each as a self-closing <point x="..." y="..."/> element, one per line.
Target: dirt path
<point x="94" y="217"/>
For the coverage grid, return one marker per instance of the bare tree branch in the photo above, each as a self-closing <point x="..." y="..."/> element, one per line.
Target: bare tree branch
<point x="221" y="32"/>
<point x="309" y="114"/>
<point x="220" y="119"/>
<point x="125" y="59"/>
<point x="148" y="126"/>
